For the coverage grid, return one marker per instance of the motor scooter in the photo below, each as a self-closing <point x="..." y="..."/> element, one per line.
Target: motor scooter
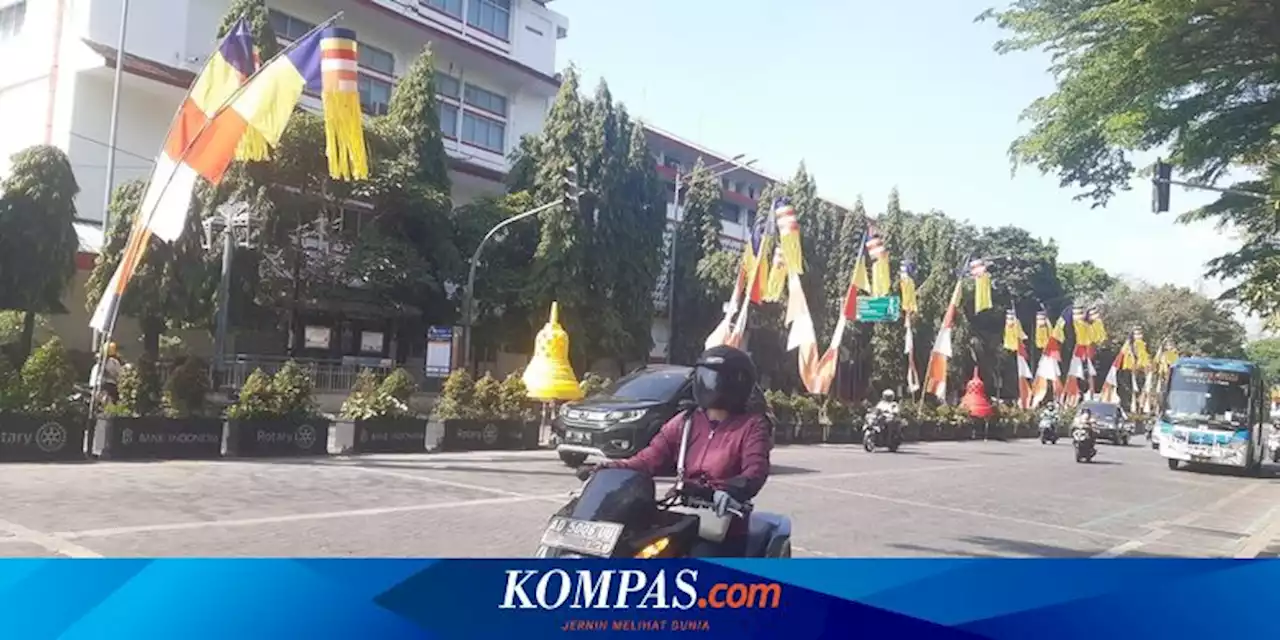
<point x="1048" y="430"/>
<point x="1084" y="442"/>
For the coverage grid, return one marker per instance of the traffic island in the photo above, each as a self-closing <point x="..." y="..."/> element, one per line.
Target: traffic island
<point x="158" y="438"/>
<point x="42" y="438"/>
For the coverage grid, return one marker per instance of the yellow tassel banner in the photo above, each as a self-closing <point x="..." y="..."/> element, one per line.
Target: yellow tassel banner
<point x="909" y="302"/>
<point x="253" y="147"/>
<point x="860" y="279"/>
<point x="881" y="281"/>
<point x="792" y="254"/>
<point x="777" y="281"/>
<point x="344" y="136"/>
<point x="982" y="293"/>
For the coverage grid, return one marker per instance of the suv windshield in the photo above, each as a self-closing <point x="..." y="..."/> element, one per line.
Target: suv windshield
<point x="647" y="385"/>
<point x="1101" y="411"/>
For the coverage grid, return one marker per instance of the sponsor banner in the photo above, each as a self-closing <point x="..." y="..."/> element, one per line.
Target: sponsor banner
<point x="271" y="438"/>
<point x="489" y="435"/>
<point x="29" y="438"/>
<point x="155" y="438"/>
<point x="407" y="435"/>
<point x="732" y="599"/>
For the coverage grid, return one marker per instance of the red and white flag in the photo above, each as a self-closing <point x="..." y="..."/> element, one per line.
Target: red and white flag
<point x="1048" y="372"/>
<point x="1024" y="377"/>
<point x="935" y="379"/>
<point x="913" y="376"/>
<point x="1110" y="392"/>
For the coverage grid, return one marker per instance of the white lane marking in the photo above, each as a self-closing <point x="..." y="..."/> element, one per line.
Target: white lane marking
<point x="966" y="512"/>
<point x="879" y="472"/>
<point x="429" y="480"/>
<point x="1160" y="530"/>
<point x="1132" y="510"/>
<point x="298" y="517"/>
<point x="51" y="543"/>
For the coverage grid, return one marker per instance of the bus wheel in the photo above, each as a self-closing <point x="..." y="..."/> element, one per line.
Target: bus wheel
<point x="1173" y="464"/>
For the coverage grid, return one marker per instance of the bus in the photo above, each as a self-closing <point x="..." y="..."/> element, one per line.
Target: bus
<point x="1213" y="412"/>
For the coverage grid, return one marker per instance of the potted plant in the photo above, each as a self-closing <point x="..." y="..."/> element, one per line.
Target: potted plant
<point x="151" y="422"/>
<point x="41" y="415"/>
<point x="381" y="420"/>
<point x="276" y="416"/>
<point x="913" y="425"/>
<point x="807" y="411"/>
<point x="481" y="415"/>
<point x="838" y="417"/>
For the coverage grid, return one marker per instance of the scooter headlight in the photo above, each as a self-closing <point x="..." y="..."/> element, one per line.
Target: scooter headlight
<point x="654" y="549"/>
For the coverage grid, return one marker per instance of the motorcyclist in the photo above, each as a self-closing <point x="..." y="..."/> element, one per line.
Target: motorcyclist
<point x="728" y="450"/>
<point x="888" y="405"/>
<point x="1049" y="414"/>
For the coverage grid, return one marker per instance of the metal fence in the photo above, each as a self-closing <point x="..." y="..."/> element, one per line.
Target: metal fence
<point x="326" y="375"/>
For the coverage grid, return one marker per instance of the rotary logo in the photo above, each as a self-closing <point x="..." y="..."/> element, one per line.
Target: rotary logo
<point x="51" y="437"/>
<point x="305" y="436"/>
<point x="490" y="434"/>
<point x="126" y="437"/>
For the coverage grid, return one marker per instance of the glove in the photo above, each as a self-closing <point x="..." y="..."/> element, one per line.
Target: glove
<point x="584" y="472"/>
<point x="699" y="491"/>
<point x="721" y="501"/>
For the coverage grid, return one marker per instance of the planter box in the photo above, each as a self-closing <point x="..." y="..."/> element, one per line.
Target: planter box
<point x="841" y="434"/>
<point x="278" y="438"/>
<point x="390" y="435"/>
<point x="158" y="438"/>
<point x="37" y="438"/>
<point x="489" y="435"/>
<point x="809" y="433"/>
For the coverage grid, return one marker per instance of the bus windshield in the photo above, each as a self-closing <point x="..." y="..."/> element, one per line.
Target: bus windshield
<point x="1211" y="396"/>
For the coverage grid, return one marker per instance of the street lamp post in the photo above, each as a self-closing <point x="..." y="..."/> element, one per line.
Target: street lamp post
<point x="232" y="217"/>
<point x="468" y="313"/>
<point x="675" y="231"/>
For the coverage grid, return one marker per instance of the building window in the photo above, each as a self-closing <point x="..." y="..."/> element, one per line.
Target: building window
<point x="288" y="27"/>
<point x="375" y="95"/>
<point x="448" y="86"/>
<point x="490" y="16"/>
<point x="486" y="100"/>
<point x="11" y="19"/>
<point x="375" y="59"/>
<point x="447" y="7"/>
<point x="448" y="119"/>
<point x="730" y="212"/>
<point x="483" y="132"/>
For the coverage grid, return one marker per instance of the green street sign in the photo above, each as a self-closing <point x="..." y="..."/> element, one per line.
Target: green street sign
<point x="883" y="309"/>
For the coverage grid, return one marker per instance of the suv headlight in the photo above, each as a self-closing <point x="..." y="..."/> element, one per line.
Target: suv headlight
<point x="624" y="416"/>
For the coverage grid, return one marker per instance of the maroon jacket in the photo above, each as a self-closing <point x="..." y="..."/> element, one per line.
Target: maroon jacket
<point x="732" y="456"/>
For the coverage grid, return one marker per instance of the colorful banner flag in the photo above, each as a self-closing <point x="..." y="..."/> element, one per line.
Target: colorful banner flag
<point x="1042" y="329"/>
<point x="1024" y="377"/>
<point x="1013" y="332"/>
<point x="1110" y="387"/>
<point x="913" y="376"/>
<point x="789" y="235"/>
<point x="879" y="253"/>
<point x="777" y="281"/>
<point x="907" y="283"/>
<point x="1064" y="320"/>
<point x="169" y="191"/>
<point x="935" y="380"/>
<point x="981" y="285"/>
<point x="1097" y="331"/>
<point x="1048" y="372"/>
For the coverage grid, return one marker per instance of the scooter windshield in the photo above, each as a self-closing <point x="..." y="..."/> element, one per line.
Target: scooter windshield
<point x="615" y="495"/>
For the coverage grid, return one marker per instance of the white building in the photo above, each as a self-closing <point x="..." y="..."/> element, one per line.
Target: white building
<point x="496" y="59"/>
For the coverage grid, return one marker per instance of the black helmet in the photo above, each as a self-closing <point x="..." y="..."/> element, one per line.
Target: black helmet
<point x="724" y="378"/>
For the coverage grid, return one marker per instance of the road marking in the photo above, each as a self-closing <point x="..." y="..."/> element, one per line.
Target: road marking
<point x="1132" y="510"/>
<point x="298" y="517"/>
<point x="1161" y="530"/>
<point x="51" y="543"/>
<point x="967" y="512"/>
<point x="808" y="477"/>
<point x="429" y="480"/>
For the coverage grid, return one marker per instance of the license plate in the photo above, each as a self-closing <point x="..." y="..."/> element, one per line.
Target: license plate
<point x="582" y="536"/>
<point x="579" y="436"/>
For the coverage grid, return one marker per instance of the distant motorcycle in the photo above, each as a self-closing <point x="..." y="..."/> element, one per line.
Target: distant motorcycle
<point x="881" y="430"/>
<point x="1084" y="443"/>
<point x="1048" y="430"/>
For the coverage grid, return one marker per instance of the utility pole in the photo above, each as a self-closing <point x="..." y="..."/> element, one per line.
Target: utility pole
<point x="108" y="183"/>
<point x="674" y="245"/>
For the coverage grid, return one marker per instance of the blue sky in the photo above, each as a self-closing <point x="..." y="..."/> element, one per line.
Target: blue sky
<point x="871" y="95"/>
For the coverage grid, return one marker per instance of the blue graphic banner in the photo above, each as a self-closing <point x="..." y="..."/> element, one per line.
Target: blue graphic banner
<point x="739" y="599"/>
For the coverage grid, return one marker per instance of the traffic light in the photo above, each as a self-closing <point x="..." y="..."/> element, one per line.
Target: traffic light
<point x="1160" y="187"/>
<point x="569" y="182"/>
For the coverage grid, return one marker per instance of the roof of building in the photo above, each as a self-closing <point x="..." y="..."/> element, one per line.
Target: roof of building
<point x="724" y="157"/>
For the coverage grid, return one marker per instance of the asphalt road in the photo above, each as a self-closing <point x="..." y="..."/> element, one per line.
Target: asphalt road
<point x="985" y="499"/>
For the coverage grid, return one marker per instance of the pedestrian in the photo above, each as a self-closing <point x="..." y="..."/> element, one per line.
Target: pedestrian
<point x="107" y="379"/>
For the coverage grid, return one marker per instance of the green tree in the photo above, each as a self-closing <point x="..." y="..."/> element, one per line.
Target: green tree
<point x="38" y="243"/>
<point x="173" y="285"/>
<point x="1266" y="354"/>
<point x="697" y="308"/>
<point x="1084" y="281"/>
<point x="1195" y="77"/>
<point x="1196" y="325"/>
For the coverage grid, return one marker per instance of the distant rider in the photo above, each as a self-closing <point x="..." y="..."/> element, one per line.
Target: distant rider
<point x="888" y="405"/>
<point x="728" y="454"/>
